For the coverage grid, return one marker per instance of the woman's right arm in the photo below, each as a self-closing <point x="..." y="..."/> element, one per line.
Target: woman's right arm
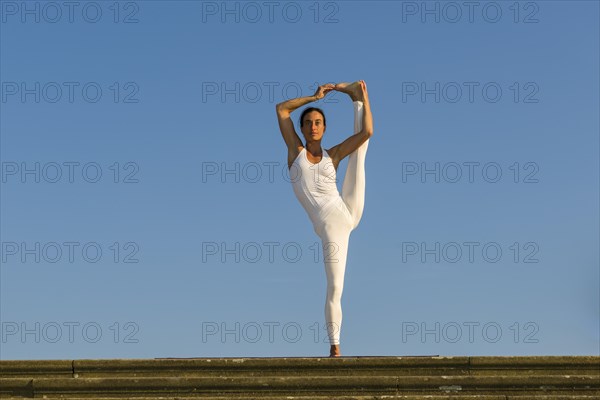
<point x="287" y="107"/>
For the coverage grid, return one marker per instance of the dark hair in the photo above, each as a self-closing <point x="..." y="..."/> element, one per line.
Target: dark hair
<point x="309" y="109"/>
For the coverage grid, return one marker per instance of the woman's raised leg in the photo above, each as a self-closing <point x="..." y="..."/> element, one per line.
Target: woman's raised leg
<point x="353" y="188"/>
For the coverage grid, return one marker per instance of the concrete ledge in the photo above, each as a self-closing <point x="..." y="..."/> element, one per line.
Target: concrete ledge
<point x="36" y="367"/>
<point x="342" y="366"/>
<point x="365" y="397"/>
<point x="489" y="378"/>
<point x="380" y="385"/>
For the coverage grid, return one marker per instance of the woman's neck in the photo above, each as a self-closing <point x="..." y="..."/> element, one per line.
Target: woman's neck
<point x="314" y="148"/>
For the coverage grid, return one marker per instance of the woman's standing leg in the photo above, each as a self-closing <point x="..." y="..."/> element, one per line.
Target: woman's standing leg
<point x="334" y="240"/>
<point x="353" y="188"/>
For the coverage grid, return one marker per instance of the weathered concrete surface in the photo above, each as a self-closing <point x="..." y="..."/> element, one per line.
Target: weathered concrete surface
<point x="485" y="378"/>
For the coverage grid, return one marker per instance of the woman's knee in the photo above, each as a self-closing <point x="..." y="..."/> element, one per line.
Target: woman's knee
<point x="334" y="292"/>
<point x="356" y="222"/>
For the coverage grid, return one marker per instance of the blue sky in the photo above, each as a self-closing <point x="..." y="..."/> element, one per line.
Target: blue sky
<point x="146" y="210"/>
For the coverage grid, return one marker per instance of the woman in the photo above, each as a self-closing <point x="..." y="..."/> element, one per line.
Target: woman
<point x="313" y="176"/>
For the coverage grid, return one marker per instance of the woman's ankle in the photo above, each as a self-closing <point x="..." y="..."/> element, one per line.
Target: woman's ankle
<point x="334" y="350"/>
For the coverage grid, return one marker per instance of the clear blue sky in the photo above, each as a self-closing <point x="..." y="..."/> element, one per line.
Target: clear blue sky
<point x="147" y="131"/>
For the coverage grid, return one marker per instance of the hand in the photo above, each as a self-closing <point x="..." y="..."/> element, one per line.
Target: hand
<point x="323" y="90"/>
<point x="363" y="86"/>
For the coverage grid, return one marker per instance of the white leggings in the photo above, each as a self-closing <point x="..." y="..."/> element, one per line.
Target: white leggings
<point x="335" y="229"/>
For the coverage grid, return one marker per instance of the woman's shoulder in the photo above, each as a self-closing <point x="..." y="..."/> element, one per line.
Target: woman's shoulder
<point x="293" y="153"/>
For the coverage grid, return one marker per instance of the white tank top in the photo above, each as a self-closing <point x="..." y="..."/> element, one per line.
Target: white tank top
<point x="315" y="185"/>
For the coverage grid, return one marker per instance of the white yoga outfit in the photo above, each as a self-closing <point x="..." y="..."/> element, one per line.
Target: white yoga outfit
<point x="333" y="216"/>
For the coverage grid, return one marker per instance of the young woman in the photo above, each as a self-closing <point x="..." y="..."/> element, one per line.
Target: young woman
<point x="313" y="176"/>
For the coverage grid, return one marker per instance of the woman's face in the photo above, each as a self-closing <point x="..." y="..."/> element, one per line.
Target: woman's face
<point x="313" y="127"/>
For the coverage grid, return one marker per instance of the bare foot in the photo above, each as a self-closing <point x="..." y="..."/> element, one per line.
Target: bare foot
<point x="351" y="89"/>
<point x="334" y="351"/>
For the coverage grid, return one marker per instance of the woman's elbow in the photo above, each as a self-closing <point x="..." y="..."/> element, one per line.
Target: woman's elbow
<point x="281" y="111"/>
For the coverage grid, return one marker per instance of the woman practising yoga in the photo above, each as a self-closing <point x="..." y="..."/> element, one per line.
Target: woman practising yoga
<point x="313" y="176"/>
